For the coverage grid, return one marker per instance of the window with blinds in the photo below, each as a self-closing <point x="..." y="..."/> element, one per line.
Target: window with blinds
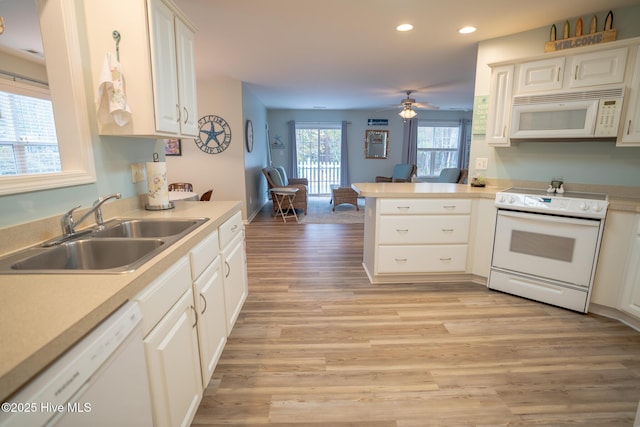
<point x="28" y="142"/>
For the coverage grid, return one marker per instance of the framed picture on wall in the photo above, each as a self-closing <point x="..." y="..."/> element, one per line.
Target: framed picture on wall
<point x="172" y="147"/>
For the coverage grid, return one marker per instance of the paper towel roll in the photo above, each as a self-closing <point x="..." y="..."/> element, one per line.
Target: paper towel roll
<point x="158" y="195"/>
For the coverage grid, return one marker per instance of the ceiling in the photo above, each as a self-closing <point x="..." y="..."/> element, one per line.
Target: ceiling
<point x="346" y="54"/>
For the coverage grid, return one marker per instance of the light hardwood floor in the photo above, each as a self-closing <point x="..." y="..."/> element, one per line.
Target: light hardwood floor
<point x="317" y="345"/>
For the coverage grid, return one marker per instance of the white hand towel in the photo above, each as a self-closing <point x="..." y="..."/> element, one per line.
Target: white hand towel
<point x="112" y="99"/>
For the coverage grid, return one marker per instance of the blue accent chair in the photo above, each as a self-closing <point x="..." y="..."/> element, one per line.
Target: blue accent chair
<point x="402" y="172"/>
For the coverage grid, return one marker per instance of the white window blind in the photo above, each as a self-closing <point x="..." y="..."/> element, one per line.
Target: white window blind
<point x="28" y="142"/>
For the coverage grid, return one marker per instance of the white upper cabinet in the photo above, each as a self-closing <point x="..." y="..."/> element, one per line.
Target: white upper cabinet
<point x="631" y="125"/>
<point x="499" y="116"/>
<point x="597" y="68"/>
<point x="156" y="52"/>
<point x="543" y="75"/>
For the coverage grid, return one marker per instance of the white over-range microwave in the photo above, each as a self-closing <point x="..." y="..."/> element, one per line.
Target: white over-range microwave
<point x="567" y="115"/>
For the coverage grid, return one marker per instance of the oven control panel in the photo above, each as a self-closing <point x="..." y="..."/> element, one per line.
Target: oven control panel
<point x="553" y="204"/>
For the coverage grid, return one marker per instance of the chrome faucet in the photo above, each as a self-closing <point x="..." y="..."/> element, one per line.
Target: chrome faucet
<point x="69" y="224"/>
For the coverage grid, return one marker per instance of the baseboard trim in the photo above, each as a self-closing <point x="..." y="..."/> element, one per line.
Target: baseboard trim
<point x="615" y="314"/>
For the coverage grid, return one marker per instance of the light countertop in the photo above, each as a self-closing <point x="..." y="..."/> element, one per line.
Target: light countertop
<point x="437" y="190"/>
<point x="44" y="314"/>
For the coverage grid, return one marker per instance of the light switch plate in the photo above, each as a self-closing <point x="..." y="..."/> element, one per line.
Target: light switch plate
<point x="137" y="172"/>
<point x="482" y="163"/>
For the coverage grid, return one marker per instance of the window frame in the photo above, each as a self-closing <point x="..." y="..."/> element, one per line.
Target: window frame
<point x="58" y="23"/>
<point x="436" y="124"/>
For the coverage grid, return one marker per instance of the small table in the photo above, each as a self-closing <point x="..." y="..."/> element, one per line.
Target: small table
<point x="340" y="195"/>
<point x="280" y="194"/>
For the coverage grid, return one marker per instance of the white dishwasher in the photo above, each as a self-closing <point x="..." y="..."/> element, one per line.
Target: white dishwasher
<point x="100" y="381"/>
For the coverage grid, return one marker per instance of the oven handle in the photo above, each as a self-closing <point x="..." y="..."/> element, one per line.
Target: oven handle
<point x="550" y="218"/>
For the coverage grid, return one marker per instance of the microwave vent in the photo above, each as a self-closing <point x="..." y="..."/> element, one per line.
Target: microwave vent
<point x="549" y="98"/>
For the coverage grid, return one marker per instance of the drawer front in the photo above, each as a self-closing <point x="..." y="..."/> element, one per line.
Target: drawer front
<point x="157" y="298"/>
<point x="423" y="229"/>
<point x="230" y="229"/>
<point x="422" y="259"/>
<point x="424" y="206"/>
<point x="203" y="253"/>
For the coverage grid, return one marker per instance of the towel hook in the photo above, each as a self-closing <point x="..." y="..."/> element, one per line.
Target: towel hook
<point x="116" y="36"/>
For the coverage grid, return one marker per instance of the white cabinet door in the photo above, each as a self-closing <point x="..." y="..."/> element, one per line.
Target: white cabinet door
<point x="630" y="295"/>
<point x="174" y="365"/>
<point x="543" y="75"/>
<point x="499" y="116"/>
<point x="597" y="68"/>
<point x="212" y="320"/>
<point x="186" y="80"/>
<point x="631" y="124"/>
<point x="235" y="279"/>
<point x="163" y="64"/>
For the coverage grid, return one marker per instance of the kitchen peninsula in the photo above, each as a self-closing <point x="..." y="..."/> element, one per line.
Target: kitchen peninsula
<point x="427" y="232"/>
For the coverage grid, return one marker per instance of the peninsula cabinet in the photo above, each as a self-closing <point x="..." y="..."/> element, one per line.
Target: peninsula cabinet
<point x="417" y="236"/>
<point x="156" y="53"/>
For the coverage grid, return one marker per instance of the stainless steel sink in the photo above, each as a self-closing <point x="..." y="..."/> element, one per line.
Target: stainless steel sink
<point x="120" y="247"/>
<point x="147" y="227"/>
<point x="92" y="254"/>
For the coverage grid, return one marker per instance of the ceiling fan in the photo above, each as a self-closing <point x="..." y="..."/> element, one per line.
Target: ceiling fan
<point x="408" y="104"/>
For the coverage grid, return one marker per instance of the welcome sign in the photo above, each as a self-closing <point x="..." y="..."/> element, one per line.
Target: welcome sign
<point x="579" y="41"/>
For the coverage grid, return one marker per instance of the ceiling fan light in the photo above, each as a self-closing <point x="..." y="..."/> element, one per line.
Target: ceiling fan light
<point x="407" y="113"/>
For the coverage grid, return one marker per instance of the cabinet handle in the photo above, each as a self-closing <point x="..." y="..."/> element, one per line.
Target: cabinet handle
<point x="449" y="206"/>
<point x="504" y="131"/>
<point x="195" y="315"/>
<point x="399" y="230"/>
<point x="178" y="111"/>
<point x="629" y="128"/>
<point x="447" y="230"/>
<point x="557" y="74"/>
<point x="204" y="300"/>
<point x="575" y="75"/>
<point x="401" y="260"/>
<point x="186" y="114"/>
<point x="226" y="274"/>
<point x="445" y="259"/>
<point x="403" y="208"/>
<point x="234" y="228"/>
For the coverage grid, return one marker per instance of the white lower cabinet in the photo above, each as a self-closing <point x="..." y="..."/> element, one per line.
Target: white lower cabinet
<point x="212" y="323"/>
<point x="171" y="347"/>
<point x="415" y="236"/>
<point x="630" y="298"/>
<point x="235" y="279"/>
<point x="187" y="314"/>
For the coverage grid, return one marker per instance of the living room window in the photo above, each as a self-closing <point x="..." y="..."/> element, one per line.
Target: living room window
<point x="28" y="142"/>
<point x="439" y="147"/>
<point x="319" y="155"/>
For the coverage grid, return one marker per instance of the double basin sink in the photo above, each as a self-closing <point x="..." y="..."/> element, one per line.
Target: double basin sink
<point x="120" y="246"/>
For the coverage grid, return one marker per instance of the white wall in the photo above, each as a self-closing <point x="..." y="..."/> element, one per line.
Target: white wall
<point x="223" y="172"/>
<point x="577" y="162"/>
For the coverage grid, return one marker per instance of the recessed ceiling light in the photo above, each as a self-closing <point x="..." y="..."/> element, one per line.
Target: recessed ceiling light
<point x="404" y="27"/>
<point x="467" y="30"/>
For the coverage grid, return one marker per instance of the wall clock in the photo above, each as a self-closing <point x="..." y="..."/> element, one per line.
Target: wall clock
<point x="215" y="134"/>
<point x="248" y="133"/>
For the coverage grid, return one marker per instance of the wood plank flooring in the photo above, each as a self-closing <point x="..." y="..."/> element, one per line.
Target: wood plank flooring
<point x="316" y="345"/>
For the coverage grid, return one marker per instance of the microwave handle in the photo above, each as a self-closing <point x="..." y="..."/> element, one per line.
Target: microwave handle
<point x="629" y="128"/>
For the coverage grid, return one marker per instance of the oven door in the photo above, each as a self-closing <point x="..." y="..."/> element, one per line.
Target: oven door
<point x="554" y="247"/>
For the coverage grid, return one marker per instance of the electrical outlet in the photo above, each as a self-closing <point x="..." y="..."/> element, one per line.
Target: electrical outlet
<point x="482" y="163"/>
<point x="138" y="172"/>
